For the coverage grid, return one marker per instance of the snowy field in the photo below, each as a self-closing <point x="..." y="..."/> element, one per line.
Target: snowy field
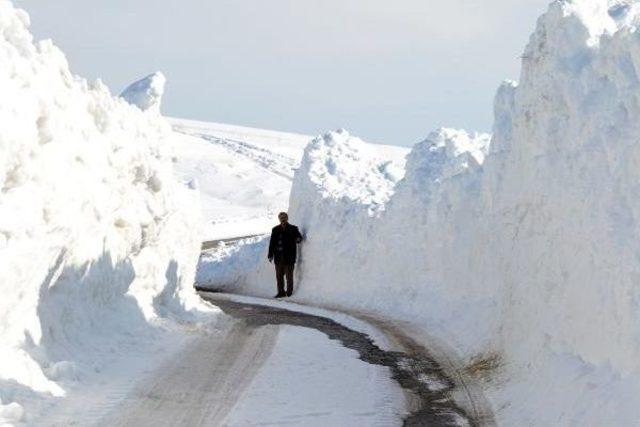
<point x="244" y="174"/>
<point x="244" y="179"/>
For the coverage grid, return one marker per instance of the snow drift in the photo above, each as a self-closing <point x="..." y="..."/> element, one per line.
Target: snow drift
<point x="97" y="237"/>
<point x="527" y="249"/>
<point x="146" y="93"/>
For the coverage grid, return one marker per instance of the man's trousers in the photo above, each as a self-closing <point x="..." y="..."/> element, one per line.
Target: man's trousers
<point x="283" y="270"/>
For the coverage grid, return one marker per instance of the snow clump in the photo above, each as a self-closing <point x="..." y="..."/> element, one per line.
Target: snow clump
<point x="146" y="93"/>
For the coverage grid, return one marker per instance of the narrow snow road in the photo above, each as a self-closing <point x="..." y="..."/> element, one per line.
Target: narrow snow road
<point x="276" y="366"/>
<point x="201" y="384"/>
<point x="435" y="395"/>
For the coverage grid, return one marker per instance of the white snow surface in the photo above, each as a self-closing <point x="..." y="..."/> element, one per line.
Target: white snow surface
<point x="98" y="239"/>
<point x="146" y="93"/>
<point x="318" y="383"/>
<point x="242" y="184"/>
<point x="527" y="249"/>
<point x="244" y="175"/>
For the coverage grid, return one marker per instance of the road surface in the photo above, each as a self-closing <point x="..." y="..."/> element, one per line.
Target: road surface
<point x="200" y="385"/>
<point x="203" y="384"/>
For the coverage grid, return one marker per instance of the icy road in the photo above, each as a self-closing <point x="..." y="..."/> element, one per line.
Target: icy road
<point x="280" y="367"/>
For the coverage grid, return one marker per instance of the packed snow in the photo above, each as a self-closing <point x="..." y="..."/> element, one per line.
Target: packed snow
<point x="357" y="394"/>
<point x="98" y="239"/>
<point x="520" y="248"/>
<point x="146" y="93"/>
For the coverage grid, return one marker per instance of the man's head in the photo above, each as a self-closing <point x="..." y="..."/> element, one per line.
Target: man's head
<point x="283" y="217"/>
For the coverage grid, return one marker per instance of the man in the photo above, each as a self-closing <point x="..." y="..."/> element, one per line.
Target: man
<point x="282" y="250"/>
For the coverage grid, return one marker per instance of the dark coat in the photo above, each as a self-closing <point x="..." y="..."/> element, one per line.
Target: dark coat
<point x="282" y="246"/>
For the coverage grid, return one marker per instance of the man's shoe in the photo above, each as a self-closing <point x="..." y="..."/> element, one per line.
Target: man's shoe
<point x="279" y="295"/>
<point x="289" y="293"/>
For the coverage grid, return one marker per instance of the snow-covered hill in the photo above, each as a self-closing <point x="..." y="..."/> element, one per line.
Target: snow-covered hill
<point x="245" y="174"/>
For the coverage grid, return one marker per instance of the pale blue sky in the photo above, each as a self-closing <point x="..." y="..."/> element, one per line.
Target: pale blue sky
<point x="388" y="71"/>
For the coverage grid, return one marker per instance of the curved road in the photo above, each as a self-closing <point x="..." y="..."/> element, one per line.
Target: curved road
<point x="202" y="385"/>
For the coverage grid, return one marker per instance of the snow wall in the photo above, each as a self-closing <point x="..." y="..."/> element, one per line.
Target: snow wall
<point x="97" y="237"/>
<point x="531" y="254"/>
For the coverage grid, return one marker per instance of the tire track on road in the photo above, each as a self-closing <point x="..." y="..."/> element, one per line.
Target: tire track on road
<point x="201" y="385"/>
<point x="431" y="387"/>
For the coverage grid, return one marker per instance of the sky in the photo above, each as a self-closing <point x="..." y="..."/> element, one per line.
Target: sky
<point x="387" y="71"/>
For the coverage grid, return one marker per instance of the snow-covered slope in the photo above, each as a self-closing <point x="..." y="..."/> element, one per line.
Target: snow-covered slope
<point x="97" y="236"/>
<point x="286" y="144"/>
<point x="524" y="253"/>
<point x="244" y="174"/>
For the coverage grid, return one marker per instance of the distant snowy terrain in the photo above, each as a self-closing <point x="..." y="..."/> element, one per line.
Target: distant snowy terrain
<point x="244" y="174"/>
<point x="521" y="250"/>
<point x="243" y="179"/>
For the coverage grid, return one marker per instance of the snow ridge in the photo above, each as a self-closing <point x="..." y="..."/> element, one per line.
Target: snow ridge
<point x="97" y="237"/>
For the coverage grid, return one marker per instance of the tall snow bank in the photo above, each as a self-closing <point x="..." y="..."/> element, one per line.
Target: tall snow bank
<point x="146" y="93"/>
<point x="532" y="254"/>
<point x="339" y="169"/>
<point x="368" y="233"/>
<point x="97" y="238"/>
<point x="563" y="196"/>
<point x="408" y="253"/>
